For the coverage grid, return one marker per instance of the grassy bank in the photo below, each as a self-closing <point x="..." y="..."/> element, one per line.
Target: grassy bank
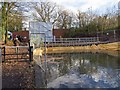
<point x="110" y="48"/>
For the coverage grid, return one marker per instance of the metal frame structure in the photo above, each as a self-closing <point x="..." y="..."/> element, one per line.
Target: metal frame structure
<point x="45" y="56"/>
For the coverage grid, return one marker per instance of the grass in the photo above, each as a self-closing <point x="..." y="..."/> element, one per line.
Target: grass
<point x="110" y="48"/>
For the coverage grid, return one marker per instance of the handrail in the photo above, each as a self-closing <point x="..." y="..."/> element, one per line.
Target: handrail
<point x="90" y="39"/>
<point x="16" y="46"/>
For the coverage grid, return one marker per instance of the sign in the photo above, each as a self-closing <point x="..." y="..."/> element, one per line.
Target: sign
<point x="39" y="31"/>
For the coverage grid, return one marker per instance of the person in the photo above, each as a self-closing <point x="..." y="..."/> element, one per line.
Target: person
<point x="16" y="41"/>
<point x="20" y="38"/>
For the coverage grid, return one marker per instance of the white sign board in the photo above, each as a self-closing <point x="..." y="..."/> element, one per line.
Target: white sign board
<point x="39" y="31"/>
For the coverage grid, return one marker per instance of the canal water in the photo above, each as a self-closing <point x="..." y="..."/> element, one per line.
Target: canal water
<point x="83" y="70"/>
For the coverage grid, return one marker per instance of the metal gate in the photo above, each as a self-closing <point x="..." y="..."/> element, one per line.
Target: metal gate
<point x="17" y="53"/>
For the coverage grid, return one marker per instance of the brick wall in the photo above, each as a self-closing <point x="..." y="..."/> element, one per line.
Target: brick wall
<point x="59" y="32"/>
<point x="23" y="34"/>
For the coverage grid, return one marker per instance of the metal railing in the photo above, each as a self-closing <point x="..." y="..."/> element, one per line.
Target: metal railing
<point x="17" y="53"/>
<point x="73" y="41"/>
<point x="89" y="39"/>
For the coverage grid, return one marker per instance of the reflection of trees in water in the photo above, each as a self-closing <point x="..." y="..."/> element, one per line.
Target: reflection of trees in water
<point x="64" y="67"/>
<point x="70" y="60"/>
<point x="105" y="60"/>
<point x="84" y="63"/>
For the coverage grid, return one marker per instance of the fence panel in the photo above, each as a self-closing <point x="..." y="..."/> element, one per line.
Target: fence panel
<point x="72" y="41"/>
<point x="17" y="53"/>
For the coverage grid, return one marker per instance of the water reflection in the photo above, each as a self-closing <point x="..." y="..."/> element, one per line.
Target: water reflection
<point x="83" y="70"/>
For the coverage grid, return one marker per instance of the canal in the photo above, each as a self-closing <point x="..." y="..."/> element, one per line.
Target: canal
<point x="82" y="70"/>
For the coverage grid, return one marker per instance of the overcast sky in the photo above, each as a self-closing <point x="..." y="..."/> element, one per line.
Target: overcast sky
<point x="83" y="5"/>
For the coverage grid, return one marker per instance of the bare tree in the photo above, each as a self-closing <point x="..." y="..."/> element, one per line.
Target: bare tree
<point x="5" y="9"/>
<point x="11" y="16"/>
<point x="65" y="19"/>
<point x="82" y="19"/>
<point x="45" y="12"/>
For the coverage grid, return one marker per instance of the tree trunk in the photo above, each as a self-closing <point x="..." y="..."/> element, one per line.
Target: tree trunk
<point x="4" y="22"/>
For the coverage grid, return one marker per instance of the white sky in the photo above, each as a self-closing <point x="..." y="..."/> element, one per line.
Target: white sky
<point x="83" y="5"/>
